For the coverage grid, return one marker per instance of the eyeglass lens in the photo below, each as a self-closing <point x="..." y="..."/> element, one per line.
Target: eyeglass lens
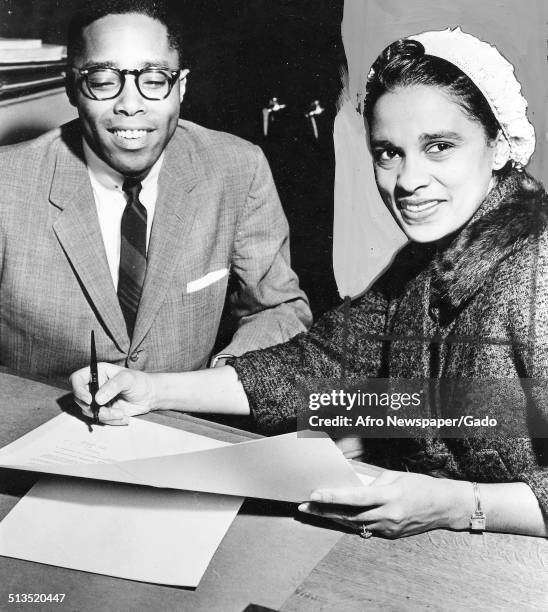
<point x="104" y="84"/>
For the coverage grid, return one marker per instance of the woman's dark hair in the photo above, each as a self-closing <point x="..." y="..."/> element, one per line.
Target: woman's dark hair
<point x="405" y="63"/>
<point x="92" y="11"/>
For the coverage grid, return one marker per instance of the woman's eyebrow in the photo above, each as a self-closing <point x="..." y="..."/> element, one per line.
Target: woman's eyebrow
<point x="440" y="135"/>
<point x="381" y="143"/>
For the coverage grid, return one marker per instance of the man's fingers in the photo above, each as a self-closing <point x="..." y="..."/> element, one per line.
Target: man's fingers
<point x="79" y="381"/>
<point x="112" y="416"/>
<point x="84" y="407"/>
<point x="120" y="382"/>
<point x="107" y="371"/>
<point x="109" y="415"/>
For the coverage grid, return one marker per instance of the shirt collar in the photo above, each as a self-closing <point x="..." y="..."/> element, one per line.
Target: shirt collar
<point x="109" y="178"/>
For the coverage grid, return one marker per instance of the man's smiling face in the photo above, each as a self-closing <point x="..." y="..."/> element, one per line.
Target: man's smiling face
<point x="128" y="132"/>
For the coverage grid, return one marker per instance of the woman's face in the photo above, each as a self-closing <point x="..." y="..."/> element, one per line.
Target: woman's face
<point x="433" y="164"/>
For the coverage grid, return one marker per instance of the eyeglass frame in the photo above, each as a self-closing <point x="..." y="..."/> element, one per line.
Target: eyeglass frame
<point x="83" y="73"/>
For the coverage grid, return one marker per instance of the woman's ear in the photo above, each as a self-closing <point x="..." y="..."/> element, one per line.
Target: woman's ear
<point x="502" y="152"/>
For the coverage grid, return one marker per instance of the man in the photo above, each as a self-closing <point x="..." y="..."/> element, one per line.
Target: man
<point x="129" y="222"/>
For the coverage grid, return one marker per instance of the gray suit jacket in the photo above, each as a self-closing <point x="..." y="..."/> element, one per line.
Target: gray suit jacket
<point x="217" y="211"/>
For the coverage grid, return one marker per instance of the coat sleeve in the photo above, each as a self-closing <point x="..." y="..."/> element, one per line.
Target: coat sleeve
<point x="528" y="320"/>
<point x="267" y="302"/>
<point x="271" y="377"/>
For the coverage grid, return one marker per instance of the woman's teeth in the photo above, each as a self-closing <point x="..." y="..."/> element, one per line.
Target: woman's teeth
<point x="420" y="207"/>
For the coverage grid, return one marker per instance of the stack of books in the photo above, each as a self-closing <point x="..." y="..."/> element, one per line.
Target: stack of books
<point x="27" y="66"/>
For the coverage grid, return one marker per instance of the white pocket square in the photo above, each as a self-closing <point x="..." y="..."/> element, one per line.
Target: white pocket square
<point x="206" y="280"/>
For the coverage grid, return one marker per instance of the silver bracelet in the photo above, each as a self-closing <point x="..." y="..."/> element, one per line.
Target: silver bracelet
<point x="477" y="520"/>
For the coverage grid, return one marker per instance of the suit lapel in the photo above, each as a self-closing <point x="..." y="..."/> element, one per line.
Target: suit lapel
<point x="173" y="219"/>
<point x="77" y="229"/>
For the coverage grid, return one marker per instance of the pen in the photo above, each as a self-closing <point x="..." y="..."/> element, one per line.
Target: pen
<point x="93" y="380"/>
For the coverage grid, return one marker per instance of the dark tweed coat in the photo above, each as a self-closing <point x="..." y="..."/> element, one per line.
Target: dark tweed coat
<point x="475" y="310"/>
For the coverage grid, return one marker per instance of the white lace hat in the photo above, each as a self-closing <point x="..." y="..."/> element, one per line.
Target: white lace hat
<point x="494" y="77"/>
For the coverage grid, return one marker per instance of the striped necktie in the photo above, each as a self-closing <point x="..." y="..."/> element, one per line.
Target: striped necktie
<point x="133" y="253"/>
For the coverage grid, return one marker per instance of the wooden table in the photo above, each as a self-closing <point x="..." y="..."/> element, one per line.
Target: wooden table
<point x="272" y="559"/>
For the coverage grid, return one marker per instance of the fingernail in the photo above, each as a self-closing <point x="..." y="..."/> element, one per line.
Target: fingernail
<point x="99" y="398"/>
<point x="303" y="508"/>
<point x="316" y="496"/>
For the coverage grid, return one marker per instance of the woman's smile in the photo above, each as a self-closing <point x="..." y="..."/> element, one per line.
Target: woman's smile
<point x="419" y="210"/>
<point x="433" y="162"/>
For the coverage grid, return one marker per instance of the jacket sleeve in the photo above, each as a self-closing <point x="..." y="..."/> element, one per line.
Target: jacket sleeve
<point x="267" y="302"/>
<point x="528" y="320"/>
<point x="271" y="377"/>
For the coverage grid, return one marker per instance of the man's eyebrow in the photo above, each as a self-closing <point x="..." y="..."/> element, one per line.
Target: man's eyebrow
<point x="93" y="64"/>
<point x="156" y="64"/>
<point x="110" y="64"/>
<point x="440" y="136"/>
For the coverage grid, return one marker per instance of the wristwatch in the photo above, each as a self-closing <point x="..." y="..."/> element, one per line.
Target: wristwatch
<point x="478" y="518"/>
<point x="219" y="360"/>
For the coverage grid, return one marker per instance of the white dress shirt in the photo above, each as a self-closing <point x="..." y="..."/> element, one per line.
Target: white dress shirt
<point x="111" y="202"/>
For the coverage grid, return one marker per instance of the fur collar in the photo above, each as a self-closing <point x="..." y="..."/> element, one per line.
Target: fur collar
<point x="514" y="213"/>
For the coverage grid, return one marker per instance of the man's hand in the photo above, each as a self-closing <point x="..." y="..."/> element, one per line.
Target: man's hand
<point x="397" y="504"/>
<point x="122" y="393"/>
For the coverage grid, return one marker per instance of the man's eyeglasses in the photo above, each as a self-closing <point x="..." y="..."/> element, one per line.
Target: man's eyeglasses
<point x="107" y="83"/>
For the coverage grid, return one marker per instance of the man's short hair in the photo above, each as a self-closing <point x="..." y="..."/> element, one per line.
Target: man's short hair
<point x="156" y="9"/>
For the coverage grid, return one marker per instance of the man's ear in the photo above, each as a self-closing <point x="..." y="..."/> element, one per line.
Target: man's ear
<point x="502" y="152"/>
<point x="182" y="83"/>
<point x="70" y="88"/>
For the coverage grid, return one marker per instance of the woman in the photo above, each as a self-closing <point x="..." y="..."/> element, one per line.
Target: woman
<point x="449" y="137"/>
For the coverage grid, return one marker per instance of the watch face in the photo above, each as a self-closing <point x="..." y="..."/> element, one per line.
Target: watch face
<point x="477" y="521"/>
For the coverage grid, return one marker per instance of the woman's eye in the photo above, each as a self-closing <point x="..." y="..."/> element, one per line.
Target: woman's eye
<point x="385" y="155"/>
<point x="439" y="147"/>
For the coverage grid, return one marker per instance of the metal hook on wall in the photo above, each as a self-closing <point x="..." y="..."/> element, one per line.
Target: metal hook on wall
<point x="272" y="107"/>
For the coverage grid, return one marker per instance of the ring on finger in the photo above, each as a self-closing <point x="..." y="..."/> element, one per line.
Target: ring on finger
<point x="364" y="532"/>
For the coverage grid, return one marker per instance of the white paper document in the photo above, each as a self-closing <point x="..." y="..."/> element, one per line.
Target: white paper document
<point x="140" y="533"/>
<point x="167" y="531"/>
<point x="284" y="468"/>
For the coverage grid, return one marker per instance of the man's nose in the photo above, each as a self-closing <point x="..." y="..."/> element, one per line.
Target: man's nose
<point x="130" y="102"/>
<point x="413" y="174"/>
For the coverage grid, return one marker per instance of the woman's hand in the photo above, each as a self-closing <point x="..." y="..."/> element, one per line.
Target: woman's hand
<point x="122" y="393"/>
<point x="397" y="504"/>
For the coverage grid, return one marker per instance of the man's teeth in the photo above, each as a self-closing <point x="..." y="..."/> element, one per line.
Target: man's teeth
<point x="131" y="134"/>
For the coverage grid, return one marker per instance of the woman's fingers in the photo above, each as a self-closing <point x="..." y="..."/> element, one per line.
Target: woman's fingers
<point x="348" y="515"/>
<point x="351" y="496"/>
